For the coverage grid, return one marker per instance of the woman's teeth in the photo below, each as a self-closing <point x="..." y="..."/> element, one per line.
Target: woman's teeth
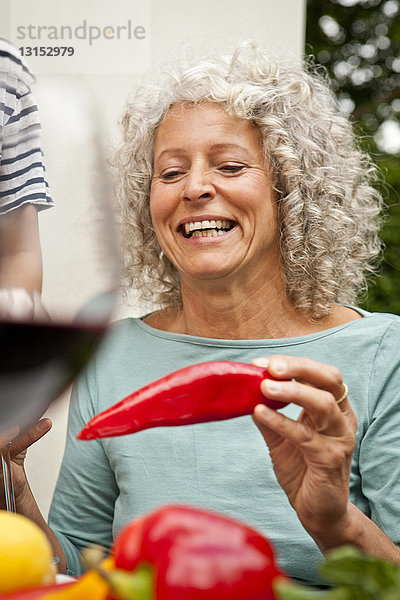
<point x="208" y="233"/>
<point x="207" y="228"/>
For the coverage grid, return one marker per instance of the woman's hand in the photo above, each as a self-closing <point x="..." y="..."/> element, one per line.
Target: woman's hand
<point x="18" y="447"/>
<point x="311" y="456"/>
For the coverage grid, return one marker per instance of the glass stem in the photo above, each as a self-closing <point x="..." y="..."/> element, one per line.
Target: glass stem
<point x="7" y="478"/>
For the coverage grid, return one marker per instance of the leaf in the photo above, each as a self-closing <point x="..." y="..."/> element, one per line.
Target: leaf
<point x="354" y="575"/>
<point x="350" y="567"/>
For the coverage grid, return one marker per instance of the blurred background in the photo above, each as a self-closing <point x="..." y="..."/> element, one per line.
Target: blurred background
<point x="358" y="43"/>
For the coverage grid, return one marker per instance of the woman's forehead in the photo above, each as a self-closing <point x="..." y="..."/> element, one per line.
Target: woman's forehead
<point x="205" y="122"/>
<point x="204" y="108"/>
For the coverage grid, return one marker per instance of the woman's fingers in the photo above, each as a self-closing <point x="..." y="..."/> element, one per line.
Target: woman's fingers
<point x="315" y="387"/>
<point x="26" y="439"/>
<point x="327" y="377"/>
<point x="277" y="431"/>
<point x="319" y="447"/>
<point x="295" y="432"/>
<point x="320" y="405"/>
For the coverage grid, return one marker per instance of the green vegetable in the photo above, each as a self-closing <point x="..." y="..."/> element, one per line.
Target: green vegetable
<point x="353" y="575"/>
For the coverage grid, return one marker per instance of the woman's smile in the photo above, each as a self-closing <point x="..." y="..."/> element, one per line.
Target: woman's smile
<point x="201" y="229"/>
<point x="211" y="199"/>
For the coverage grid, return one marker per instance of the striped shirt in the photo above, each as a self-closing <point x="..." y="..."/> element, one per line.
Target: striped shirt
<point x="22" y="173"/>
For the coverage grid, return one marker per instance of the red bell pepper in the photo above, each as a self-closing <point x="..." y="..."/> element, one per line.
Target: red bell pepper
<point x="198" y="555"/>
<point x="210" y="391"/>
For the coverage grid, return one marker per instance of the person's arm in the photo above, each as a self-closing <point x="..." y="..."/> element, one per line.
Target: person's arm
<point x="24" y="499"/>
<point x="20" y="250"/>
<point x="23" y="186"/>
<point x="312" y="456"/>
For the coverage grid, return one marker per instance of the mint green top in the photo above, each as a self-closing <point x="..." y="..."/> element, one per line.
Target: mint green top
<point x="224" y="465"/>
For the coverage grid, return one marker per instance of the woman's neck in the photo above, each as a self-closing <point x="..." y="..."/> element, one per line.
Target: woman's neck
<point x="231" y="314"/>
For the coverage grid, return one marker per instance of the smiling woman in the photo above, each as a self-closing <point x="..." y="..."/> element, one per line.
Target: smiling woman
<point x="250" y="219"/>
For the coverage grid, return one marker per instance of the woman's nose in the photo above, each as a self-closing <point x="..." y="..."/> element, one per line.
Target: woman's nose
<point x="198" y="185"/>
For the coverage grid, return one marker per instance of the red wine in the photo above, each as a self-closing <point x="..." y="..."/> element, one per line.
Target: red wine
<point x="37" y="363"/>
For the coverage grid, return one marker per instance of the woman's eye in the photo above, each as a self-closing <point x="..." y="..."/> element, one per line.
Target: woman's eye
<point x="231" y="169"/>
<point x="169" y="175"/>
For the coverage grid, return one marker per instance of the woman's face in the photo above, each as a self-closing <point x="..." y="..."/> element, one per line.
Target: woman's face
<point x="211" y="198"/>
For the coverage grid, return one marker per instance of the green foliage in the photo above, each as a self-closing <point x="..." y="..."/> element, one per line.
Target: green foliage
<point x="352" y="575"/>
<point x="358" y="42"/>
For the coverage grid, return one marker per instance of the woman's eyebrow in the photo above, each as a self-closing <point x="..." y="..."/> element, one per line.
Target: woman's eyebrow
<point x="218" y="147"/>
<point x="178" y="151"/>
<point x="228" y="146"/>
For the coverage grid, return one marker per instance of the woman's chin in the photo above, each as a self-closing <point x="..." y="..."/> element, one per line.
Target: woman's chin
<point x="212" y="271"/>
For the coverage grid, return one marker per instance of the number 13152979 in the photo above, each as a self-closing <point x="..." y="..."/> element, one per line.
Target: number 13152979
<point x="47" y="50"/>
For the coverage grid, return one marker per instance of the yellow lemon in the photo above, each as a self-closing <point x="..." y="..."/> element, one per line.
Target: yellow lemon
<point x="25" y="553"/>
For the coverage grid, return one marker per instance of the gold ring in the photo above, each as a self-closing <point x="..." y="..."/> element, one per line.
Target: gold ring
<point x="344" y="395"/>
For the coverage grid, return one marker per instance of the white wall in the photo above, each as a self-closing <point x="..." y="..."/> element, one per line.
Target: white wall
<point x="279" y="25"/>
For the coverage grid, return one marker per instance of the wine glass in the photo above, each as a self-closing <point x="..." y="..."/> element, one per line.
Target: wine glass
<point x="47" y="340"/>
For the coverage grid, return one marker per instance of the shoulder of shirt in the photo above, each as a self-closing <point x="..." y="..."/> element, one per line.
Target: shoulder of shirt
<point x="384" y="316"/>
<point x="12" y="63"/>
<point x="121" y="327"/>
<point x="384" y="321"/>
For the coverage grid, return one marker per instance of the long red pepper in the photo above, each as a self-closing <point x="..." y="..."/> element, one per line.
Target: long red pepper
<point x="198" y="555"/>
<point x="209" y="391"/>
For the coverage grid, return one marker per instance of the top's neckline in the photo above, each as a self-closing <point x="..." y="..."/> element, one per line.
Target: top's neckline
<point x="251" y="343"/>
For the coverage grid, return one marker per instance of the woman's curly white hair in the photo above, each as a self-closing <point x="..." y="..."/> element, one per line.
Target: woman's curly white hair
<point x="328" y="208"/>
